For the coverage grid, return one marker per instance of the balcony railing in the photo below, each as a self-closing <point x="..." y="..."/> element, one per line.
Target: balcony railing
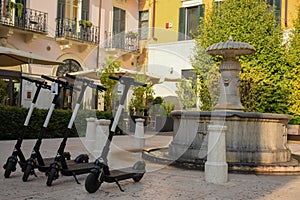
<point x="71" y="29"/>
<point x="123" y="41"/>
<point x="26" y="19"/>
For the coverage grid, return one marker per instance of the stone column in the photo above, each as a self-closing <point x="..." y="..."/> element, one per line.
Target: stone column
<point x="216" y="168"/>
<point x="139" y="139"/>
<point x="102" y="132"/>
<point x="90" y="134"/>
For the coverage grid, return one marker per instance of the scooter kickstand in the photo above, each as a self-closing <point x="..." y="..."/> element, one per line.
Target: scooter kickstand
<point x="33" y="172"/>
<point x="117" y="182"/>
<point x="74" y="175"/>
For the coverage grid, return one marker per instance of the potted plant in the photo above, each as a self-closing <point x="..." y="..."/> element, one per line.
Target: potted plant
<point x="164" y="121"/>
<point x="12" y="5"/>
<point x="141" y="101"/>
<point x="85" y="23"/>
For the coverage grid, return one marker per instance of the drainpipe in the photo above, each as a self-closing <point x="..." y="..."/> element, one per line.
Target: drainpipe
<point x="99" y="24"/>
<point x="285" y="13"/>
<point x="153" y="20"/>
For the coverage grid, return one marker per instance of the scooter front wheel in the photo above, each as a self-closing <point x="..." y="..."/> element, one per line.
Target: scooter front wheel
<point x="8" y="169"/>
<point x="51" y="176"/>
<point x="92" y="183"/>
<point x="140" y="165"/>
<point x="27" y="173"/>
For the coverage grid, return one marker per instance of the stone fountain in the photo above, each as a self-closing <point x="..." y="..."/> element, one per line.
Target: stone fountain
<point x="255" y="142"/>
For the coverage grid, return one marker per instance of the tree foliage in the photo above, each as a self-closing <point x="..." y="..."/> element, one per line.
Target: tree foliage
<point x="264" y="87"/>
<point x="142" y="97"/>
<point x="293" y="57"/>
<point x="110" y="67"/>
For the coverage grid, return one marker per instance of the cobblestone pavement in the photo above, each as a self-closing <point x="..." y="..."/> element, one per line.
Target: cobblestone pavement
<point x="159" y="182"/>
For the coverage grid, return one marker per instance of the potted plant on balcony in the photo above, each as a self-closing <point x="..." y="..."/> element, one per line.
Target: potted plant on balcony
<point x="85" y="23"/>
<point x="11" y="6"/>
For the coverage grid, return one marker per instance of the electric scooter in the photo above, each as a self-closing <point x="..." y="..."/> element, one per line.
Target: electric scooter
<point x="10" y="165"/>
<point x="36" y="158"/>
<point x="60" y="164"/>
<point x="101" y="172"/>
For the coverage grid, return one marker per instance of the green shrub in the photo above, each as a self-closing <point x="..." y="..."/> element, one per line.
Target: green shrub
<point x="12" y="122"/>
<point x="295" y="120"/>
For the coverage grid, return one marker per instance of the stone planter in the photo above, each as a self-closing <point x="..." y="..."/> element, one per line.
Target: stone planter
<point x="164" y="124"/>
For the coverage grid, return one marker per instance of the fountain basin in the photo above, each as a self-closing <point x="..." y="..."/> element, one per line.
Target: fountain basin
<point x="253" y="138"/>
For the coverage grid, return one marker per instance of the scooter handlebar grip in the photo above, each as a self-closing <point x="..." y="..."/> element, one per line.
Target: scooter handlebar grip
<point x="139" y="84"/>
<point x="114" y="78"/>
<point x="70" y="76"/>
<point x="97" y="87"/>
<point x="54" y="80"/>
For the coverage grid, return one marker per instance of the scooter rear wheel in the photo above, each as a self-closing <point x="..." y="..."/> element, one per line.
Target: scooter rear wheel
<point x="27" y="173"/>
<point x="9" y="168"/>
<point x="51" y="176"/>
<point x="92" y="183"/>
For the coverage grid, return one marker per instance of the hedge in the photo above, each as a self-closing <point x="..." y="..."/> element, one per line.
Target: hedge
<point x="13" y="118"/>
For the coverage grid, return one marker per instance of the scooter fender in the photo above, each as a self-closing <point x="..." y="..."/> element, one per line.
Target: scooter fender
<point x="54" y="165"/>
<point x="12" y="159"/>
<point x="96" y="171"/>
<point x="30" y="161"/>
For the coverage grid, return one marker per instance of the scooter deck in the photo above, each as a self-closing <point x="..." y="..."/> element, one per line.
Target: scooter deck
<point x="49" y="161"/>
<point x="77" y="168"/>
<point x="122" y="174"/>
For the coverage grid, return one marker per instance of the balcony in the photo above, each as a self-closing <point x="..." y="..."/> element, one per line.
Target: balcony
<point x="23" y="19"/>
<point x="121" y="42"/>
<point x="68" y="29"/>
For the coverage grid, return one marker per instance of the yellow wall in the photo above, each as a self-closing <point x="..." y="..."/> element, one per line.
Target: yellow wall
<point x="292" y="12"/>
<point x="167" y="11"/>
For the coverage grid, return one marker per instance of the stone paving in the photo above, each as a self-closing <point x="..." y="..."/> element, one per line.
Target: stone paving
<point x="159" y="182"/>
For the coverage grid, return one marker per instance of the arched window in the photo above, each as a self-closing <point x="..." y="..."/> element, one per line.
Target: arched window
<point x="68" y="66"/>
<point x="66" y="96"/>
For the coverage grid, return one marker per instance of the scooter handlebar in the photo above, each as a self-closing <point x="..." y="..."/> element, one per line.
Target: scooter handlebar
<point x="62" y="83"/>
<point x="127" y="80"/>
<point x="97" y="87"/>
<point x="79" y="78"/>
<point x="54" y="80"/>
<point x="33" y="80"/>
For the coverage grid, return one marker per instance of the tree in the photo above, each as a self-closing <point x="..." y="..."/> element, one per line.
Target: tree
<point x="263" y="86"/>
<point x="110" y="66"/>
<point x="142" y="96"/>
<point x="3" y="91"/>
<point x="293" y="58"/>
<point x="187" y="93"/>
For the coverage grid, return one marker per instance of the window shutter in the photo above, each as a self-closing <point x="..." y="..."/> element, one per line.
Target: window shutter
<point x="278" y="11"/>
<point x="181" y="26"/>
<point x="85" y="9"/>
<point x="61" y="5"/>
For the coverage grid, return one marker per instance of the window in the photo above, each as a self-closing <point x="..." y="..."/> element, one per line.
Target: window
<point x="277" y="11"/>
<point x="189" y="21"/>
<point x="85" y="10"/>
<point x="69" y="9"/>
<point x="118" y="28"/>
<point x="143" y="25"/>
<point x="118" y="20"/>
<point x="66" y="95"/>
<point x="68" y="66"/>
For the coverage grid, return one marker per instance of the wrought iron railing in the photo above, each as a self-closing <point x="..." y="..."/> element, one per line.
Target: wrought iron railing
<point x="72" y="29"/>
<point x="26" y="19"/>
<point x="123" y="41"/>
